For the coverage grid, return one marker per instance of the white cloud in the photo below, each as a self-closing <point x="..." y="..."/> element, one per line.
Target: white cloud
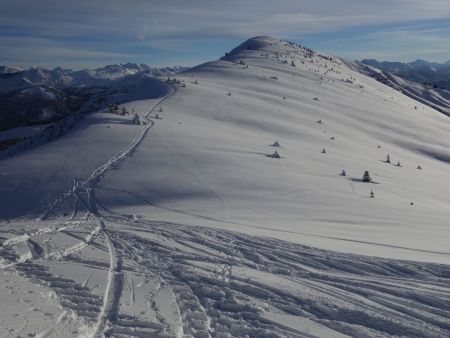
<point x="118" y="27"/>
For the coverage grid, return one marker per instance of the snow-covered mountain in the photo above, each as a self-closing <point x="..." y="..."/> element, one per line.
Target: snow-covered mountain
<point x="60" y="78"/>
<point x="41" y="96"/>
<point x="431" y="95"/>
<point x="236" y="208"/>
<point x="431" y="74"/>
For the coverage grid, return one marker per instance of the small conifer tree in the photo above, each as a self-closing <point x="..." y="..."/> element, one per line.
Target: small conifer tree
<point x="366" y="177"/>
<point x="275" y="155"/>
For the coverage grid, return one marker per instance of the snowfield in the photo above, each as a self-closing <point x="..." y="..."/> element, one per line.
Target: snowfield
<point x="186" y="225"/>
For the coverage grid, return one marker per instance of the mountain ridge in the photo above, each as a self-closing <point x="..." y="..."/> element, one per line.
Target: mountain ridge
<point x="39" y="96"/>
<point x="427" y="73"/>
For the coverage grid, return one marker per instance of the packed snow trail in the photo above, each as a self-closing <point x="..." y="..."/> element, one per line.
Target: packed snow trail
<point x="92" y="181"/>
<point x="112" y="288"/>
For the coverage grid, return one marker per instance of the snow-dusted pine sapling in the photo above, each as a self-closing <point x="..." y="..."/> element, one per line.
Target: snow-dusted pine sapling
<point x="388" y="159"/>
<point x="323" y="151"/>
<point x="229" y="94"/>
<point x="284" y="97"/>
<point x="275" y="155"/>
<point x="343" y="173"/>
<point x="319" y="121"/>
<point x="160" y="109"/>
<point x="398" y="164"/>
<point x="332" y="138"/>
<point x="136" y="119"/>
<point x="366" y="177"/>
<point x="372" y="195"/>
<point x="196" y="82"/>
<point x="276" y="144"/>
<point x="293" y="64"/>
<point x="419" y="167"/>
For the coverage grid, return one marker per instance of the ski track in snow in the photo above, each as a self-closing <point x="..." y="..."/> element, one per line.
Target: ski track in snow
<point x="107" y="312"/>
<point x="228" y="283"/>
<point x="336" y="290"/>
<point x="113" y="286"/>
<point x="91" y="183"/>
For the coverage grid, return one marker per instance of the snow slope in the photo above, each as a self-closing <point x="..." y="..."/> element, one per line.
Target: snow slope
<point x="183" y="226"/>
<point x="208" y="157"/>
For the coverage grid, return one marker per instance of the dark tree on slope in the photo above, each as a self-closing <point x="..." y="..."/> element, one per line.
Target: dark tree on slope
<point x="274" y="155"/>
<point x="366" y="177"/>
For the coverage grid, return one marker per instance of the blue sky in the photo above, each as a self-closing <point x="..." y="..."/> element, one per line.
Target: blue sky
<point x="85" y="34"/>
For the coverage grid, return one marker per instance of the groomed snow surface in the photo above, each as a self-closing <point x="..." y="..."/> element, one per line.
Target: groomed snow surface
<point x="187" y="226"/>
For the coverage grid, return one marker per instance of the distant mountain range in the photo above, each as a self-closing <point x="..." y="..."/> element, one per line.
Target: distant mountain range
<point x="37" y="95"/>
<point x="425" y="82"/>
<point x="427" y="73"/>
